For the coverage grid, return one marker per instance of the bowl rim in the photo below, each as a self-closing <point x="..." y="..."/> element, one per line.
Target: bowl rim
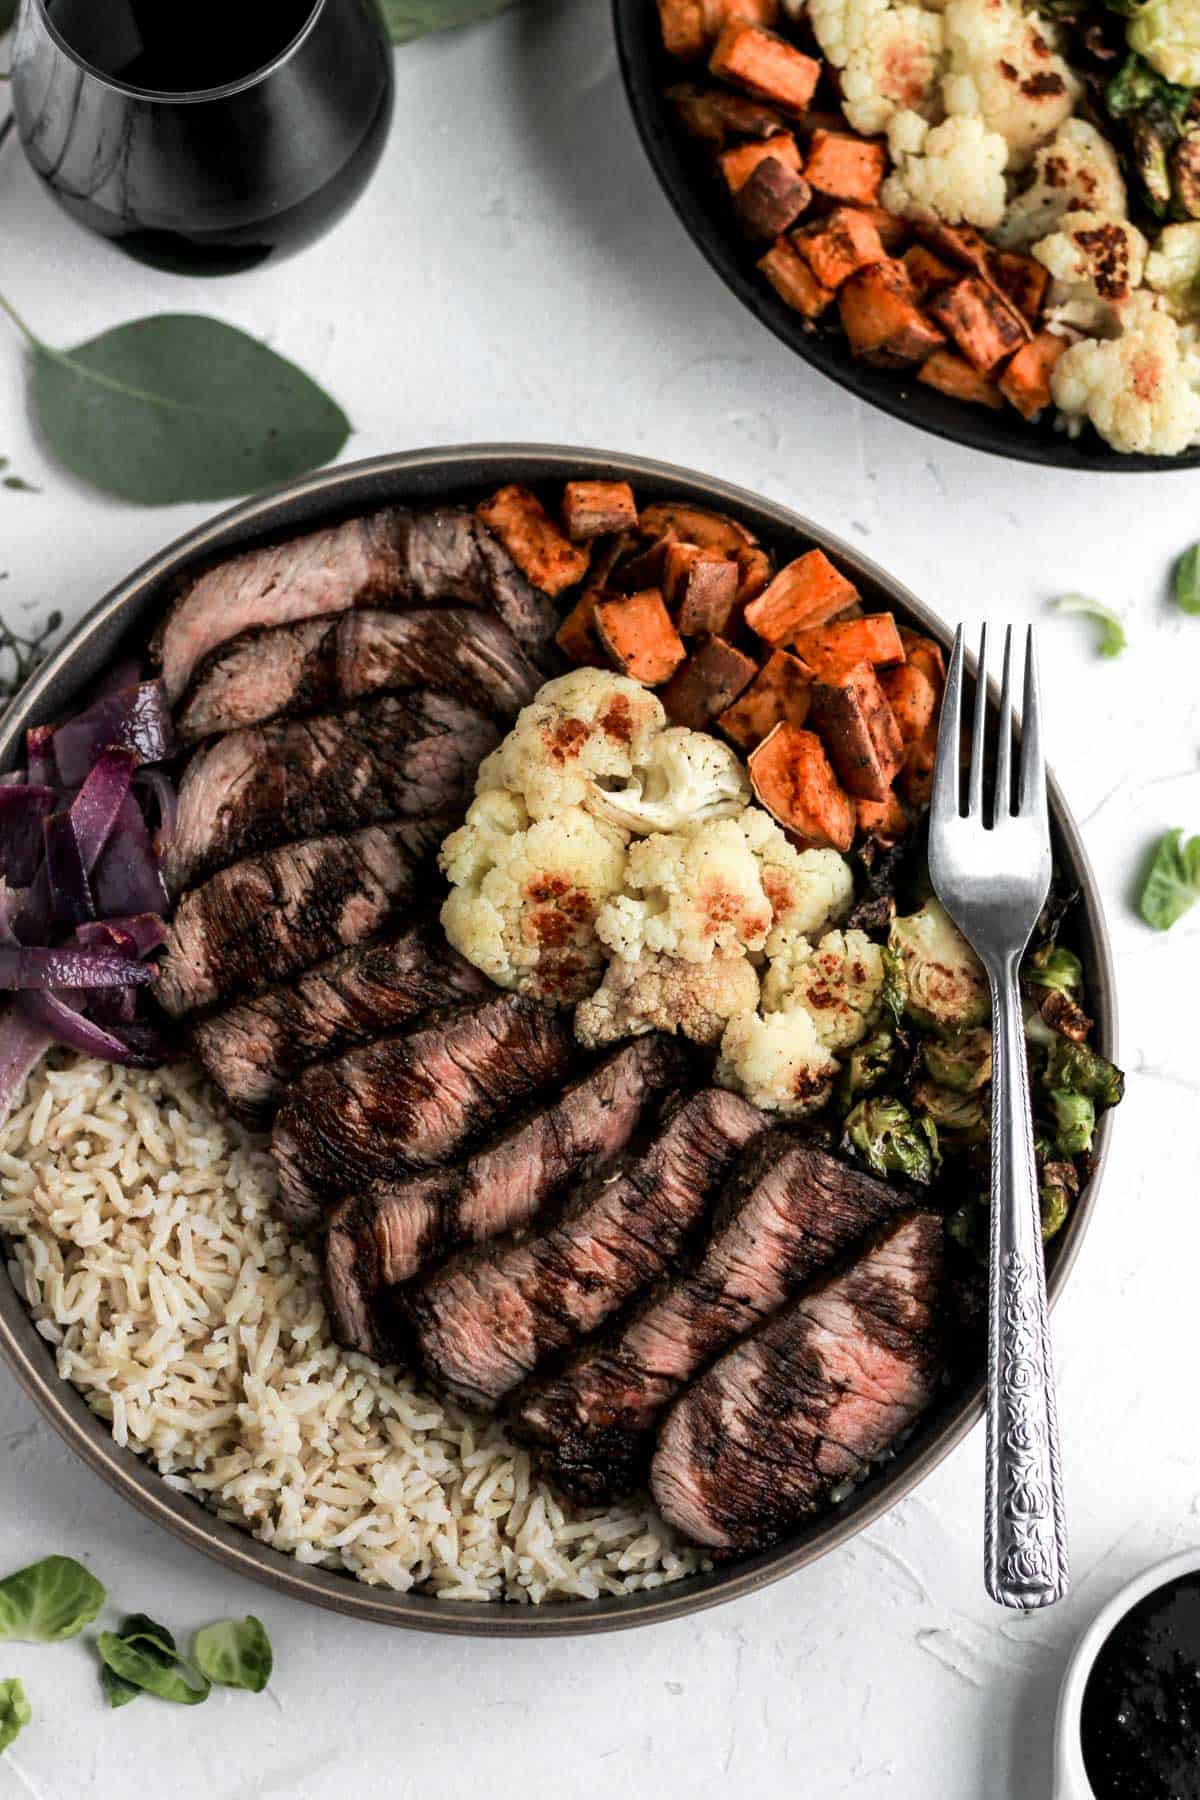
<point x="901" y="399"/>
<point x="421" y="475"/>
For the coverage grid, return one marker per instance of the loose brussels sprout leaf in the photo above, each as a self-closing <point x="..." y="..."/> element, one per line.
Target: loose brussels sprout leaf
<point x="1058" y="1187"/>
<point x="1073" y="1068"/>
<point x="150" y="1637"/>
<point x="49" y="1601"/>
<point x="886" y="1137"/>
<point x="235" y="1653"/>
<point x="1112" y="636"/>
<point x="960" y="1117"/>
<point x="1053" y="967"/>
<point x="866" y="1065"/>
<point x="1185" y="586"/>
<point x="893" y="995"/>
<point x="15" y="1710"/>
<point x="962" y="1062"/>
<point x="1172" y="885"/>
<point x="1074" y="1122"/>
<point x="139" y="1661"/>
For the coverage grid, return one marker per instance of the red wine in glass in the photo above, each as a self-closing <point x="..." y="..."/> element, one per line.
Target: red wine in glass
<point x="203" y="136"/>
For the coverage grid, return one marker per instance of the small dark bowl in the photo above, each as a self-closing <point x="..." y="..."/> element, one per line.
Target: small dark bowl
<point x="690" y="187"/>
<point x="126" y="616"/>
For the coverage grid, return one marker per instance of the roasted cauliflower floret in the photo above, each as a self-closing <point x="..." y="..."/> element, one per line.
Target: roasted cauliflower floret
<point x="778" y="1061"/>
<point x="660" y="993"/>
<point x="839" y="982"/>
<point x="1173" y="270"/>
<point x="1167" y="34"/>
<point x="946" y="986"/>
<point x="1096" y="265"/>
<point x="807" y="889"/>
<point x="584" y="728"/>
<point x="1004" y="68"/>
<point x="1135" y="389"/>
<point x="525" y="894"/>
<point x="954" y="170"/>
<point x="889" y="57"/>
<point x="688" y="895"/>
<point x="685" y="779"/>
<point x="1077" y="171"/>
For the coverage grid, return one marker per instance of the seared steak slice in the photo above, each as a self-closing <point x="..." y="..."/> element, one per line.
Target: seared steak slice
<point x="758" y="1443"/>
<point x="322" y="662"/>
<point x="529" y="614"/>
<point x="253" y="1049"/>
<point x="491" y="1316"/>
<point x="410" y="1102"/>
<point x="403" y="756"/>
<point x="788" y="1210"/>
<point x="383" y="1236"/>
<point x="263" y="919"/>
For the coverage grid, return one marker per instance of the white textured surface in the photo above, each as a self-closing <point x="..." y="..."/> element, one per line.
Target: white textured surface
<point x="514" y="273"/>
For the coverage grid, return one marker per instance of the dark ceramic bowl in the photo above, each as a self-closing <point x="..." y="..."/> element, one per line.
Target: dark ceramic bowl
<point x="688" y="183"/>
<point x="128" y="613"/>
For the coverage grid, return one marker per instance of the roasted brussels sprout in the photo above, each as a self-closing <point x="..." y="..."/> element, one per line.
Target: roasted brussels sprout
<point x="884" y="1135"/>
<point x="1073" y="1068"/>
<point x="962" y="1062"/>
<point x="867" y="1065"/>
<point x="946" y="986"/>
<point x="893" y="995"/>
<point x="962" y="1118"/>
<point x="1058" y="1186"/>
<point x="1161" y="121"/>
<point x="1074" y="1121"/>
<point x="1053" y="980"/>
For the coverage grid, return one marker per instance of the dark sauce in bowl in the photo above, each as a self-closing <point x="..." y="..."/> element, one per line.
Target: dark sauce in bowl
<point x="1140" y="1721"/>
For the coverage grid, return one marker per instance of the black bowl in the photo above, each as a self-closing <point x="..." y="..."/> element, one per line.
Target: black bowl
<point x="124" y="619"/>
<point x="689" y="185"/>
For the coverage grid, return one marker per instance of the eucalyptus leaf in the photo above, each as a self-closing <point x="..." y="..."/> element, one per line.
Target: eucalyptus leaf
<point x="15" y="1710"/>
<point x="1186" y="584"/>
<point x="408" y="19"/>
<point x="49" y="1601"/>
<point x="1172" y="884"/>
<point x="180" y="407"/>
<point x="235" y="1653"/>
<point x="139" y="1662"/>
<point x="1112" y="636"/>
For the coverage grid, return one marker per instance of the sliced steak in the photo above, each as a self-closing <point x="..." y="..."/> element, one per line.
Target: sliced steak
<point x="385" y="1235"/>
<point x="254" y="1048"/>
<point x="410" y="1102"/>
<point x="758" y="1443"/>
<point x="491" y="1316"/>
<point x="789" y="1209"/>
<point x="529" y="614"/>
<point x="269" y="916"/>
<point x="320" y="663"/>
<point x="403" y="756"/>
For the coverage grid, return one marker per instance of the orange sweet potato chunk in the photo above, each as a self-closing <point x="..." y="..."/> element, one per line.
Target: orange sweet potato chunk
<point x="592" y="508"/>
<point x="1025" y="383"/>
<point x="837" y="245"/>
<point x="709" y="681"/>
<point x="700" y="587"/>
<point x="886" y="821"/>
<point x="779" y="692"/>
<point x="881" y="317"/>
<point x="845" y="167"/>
<point x="954" y="375"/>
<point x="872" y="638"/>
<point x="927" y="271"/>
<point x="540" y="550"/>
<point x="738" y="164"/>
<point x="792" y="778"/>
<point x="913" y="699"/>
<point x="807" y="591"/>
<point x="638" y="636"/>
<point x="793" y="280"/>
<point x="852" y="716"/>
<point x="981" y="322"/>
<point x="767" y="66"/>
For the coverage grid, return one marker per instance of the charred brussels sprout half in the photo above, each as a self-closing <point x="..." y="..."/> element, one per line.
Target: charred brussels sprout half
<point x="1057" y="1187"/>
<point x="962" y="1062"/>
<point x="1074" y="1122"/>
<point x="961" y="1118"/>
<point x="1162" y="123"/>
<point x="1078" y="1070"/>
<point x="1053" y="980"/>
<point x="868" y="1065"/>
<point x="884" y="1135"/>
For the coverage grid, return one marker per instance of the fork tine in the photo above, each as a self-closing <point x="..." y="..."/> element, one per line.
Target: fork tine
<point x="1002" y="802"/>
<point x="1033" y="758"/>
<point x="944" y="799"/>
<point x="978" y="732"/>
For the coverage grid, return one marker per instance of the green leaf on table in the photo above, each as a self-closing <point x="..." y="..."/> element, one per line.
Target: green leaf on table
<point x="15" y="1710"/>
<point x="235" y="1653"/>
<point x="1172" y="882"/>
<point x="408" y="19"/>
<point x="49" y="1601"/>
<point x="180" y="407"/>
<point x="1112" y="637"/>
<point x="154" y="1640"/>
<point x="8" y="12"/>
<point x="146" y="1659"/>
<point x="1185" y="586"/>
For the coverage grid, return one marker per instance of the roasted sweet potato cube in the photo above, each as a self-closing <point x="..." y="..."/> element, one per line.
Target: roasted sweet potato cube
<point x="845" y="167"/>
<point x="953" y="375"/>
<point x="638" y="637"/>
<point x="894" y="232"/>
<point x="793" y="779"/>
<point x="773" y="198"/>
<point x="835" y="246"/>
<point x="540" y="550"/>
<point x="590" y="509"/>
<point x="712" y="531"/>
<point x="1022" y="280"/>
<point x="913" y="698"/>
<point x="926" y="271"/>
<point x="960" y="244"/>
<point x="700" y="587"/>
<point x="644" y="569"/>
<point x="1025" y="382"/>
<point x="739" y="163"/>
<point x="870" y="638"/>
<point x="915" y="780"/>
<point x="807" y="591"/>
<point x="778" y="692"/>
<point x="576" y="636"/>
<point x="765" y="65"/>
<point x="718" y="117"/>
<point x="683" y="30"/>
<point x="882" y="320"/>
<point x="925" y="654"/>
<point x="886" y="821"/>
<point x="710" y="680"/>
<point x="981" y="322"/>
<point x="851" y="714"/>
<point x="793" y="280"/>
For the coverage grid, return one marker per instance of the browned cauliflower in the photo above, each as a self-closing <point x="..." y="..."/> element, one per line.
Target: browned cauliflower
<point x="662" y="993"/>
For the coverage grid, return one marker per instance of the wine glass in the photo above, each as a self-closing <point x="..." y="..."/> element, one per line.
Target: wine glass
<point x="203" y="136"/>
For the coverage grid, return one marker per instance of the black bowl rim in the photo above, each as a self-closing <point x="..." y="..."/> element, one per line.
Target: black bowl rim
<point x="715" y="236"/>
<point x="424" y="474"/>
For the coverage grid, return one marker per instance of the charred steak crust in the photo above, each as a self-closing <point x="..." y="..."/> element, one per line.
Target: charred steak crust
<point x="324" y="662"/>
<point x="758" y="1443"/>
<point x="265" y="918"/>
<point x="253" y="1048"/>
<point x="489" y="1317"/>
<point x="408" y="1102"/>
<point x="788" y="1210"/>
<point x="385" y="1235"/>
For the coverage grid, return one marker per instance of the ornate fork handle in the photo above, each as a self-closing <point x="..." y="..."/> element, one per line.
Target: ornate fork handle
<point x="1026" y="1544"/>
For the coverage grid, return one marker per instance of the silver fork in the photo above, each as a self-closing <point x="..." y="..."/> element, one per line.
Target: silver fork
<point x="990" y="868"/>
